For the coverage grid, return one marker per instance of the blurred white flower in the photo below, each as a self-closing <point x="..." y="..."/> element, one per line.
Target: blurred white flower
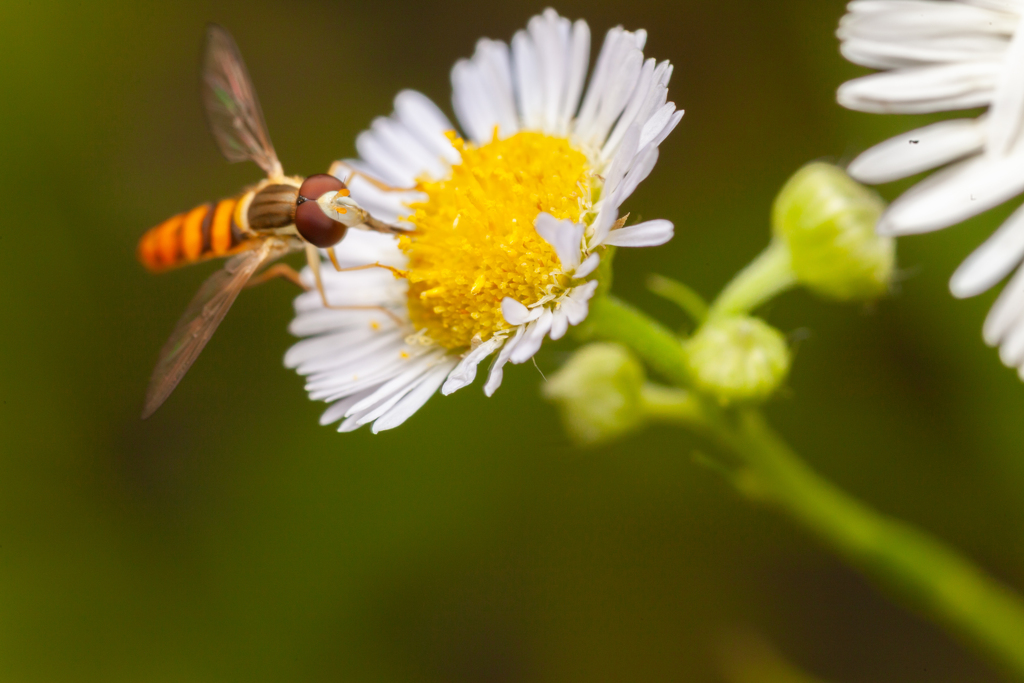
<point x="509" y="226"/>
<point x="946" y="55"/>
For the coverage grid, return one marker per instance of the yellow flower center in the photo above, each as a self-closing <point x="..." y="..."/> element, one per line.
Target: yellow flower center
<point x="475" y="243"/>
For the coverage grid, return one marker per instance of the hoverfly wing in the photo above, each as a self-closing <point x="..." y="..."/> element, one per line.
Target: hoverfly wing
<point x="200" y="321"/>
<point x="232" y="109"/>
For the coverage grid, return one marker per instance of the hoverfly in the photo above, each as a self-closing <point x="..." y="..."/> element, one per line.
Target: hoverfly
<point x="279" y="215"/>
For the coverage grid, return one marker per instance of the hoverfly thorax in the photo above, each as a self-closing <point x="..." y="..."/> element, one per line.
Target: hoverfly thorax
<point x="272" y="207"/>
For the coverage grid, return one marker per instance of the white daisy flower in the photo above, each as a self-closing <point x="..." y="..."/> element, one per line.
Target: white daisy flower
<point x="945" y="55"/>
<point x="509" y="225"/>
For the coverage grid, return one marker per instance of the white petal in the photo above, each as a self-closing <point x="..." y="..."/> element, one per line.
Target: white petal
<point x="399" y="382"/>
<point x="598" y="230"/>
<point x="465" y="372"/>
<point x="422" y="116"/>
<point x="921" y="90"/>
<point x="361" y="247"/>
<point x="576" y="304"/>
<point x="405" y="145"/>
<point x="898" y="54"/>
<point x="614" y="178"/>
<point x="337" y="410"/>
<point x="516" y="313"/>
<point x="657" y="97"/>
<point x="326" y="320"/>
<point x="352" y="291"/>
<point x="363" y="371"/>
<point x="605" y="59"/>
<point x="1007" y="108"/>
<point x="564" y="235"/>
<point x="414" y="400"/>
<point x="919" y="150"/>
<point x="1006" y="311"/>
<point x="400" y="387"/>
<point x="379" y="368"/>
<point x="534" y="337"/>
<point x="623" y="160"/>
<point x="351" y="351"/>
<point x="482" y="88"/>
<point x="636" y="103"/>
<point x="495" y="374"/>
<point x="495" y="67"/>
<point x="587" y="267"/>
<point x="526" y="73"/>
<point x="902" y="19"/>
<point x="579" y="58"/>
<point x="470" y="102"/>
<point x="550" y="34"/>
<point x="993" y="260"/>
<point x="955" y="194"/>
<point x="1011" y="349"/>
<point x="646" y="234"/>
<point x="654" y="127"/>
<point x="357" y="419"/>
<point x="642" y="167"/>
<point x="559" y="324"/>
<point x="619" y="87"/>
<point x="391" y="167"/>
<point x="886" y="35"/>
<point x="639" y="38"/>
<point x="314" y="347"/>
<point x="659" y="137"/>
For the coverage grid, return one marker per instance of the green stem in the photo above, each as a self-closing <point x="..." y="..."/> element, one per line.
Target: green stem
<point x="930" y="575"/>
<point x="767" y="276"/>
<point x="925" y="573"/>
<point x="615" y="320"/>
<point x="681" y="295"/>
<point x="668" y="404"/>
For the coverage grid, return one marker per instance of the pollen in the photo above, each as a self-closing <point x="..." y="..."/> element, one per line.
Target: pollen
<point x="474" y="242"/>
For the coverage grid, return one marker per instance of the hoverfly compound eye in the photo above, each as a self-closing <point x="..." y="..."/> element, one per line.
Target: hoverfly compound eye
<point x="315" y="226"/>
<point x="315" y="186"/>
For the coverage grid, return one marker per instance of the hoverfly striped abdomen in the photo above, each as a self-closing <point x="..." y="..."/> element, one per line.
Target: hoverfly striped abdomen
<point x="206" y="231"/>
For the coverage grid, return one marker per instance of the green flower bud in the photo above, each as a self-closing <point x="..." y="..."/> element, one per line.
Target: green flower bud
<point x="738" y="359"/>
<point x="828" y="222"/>
<point x="599" y="393"/>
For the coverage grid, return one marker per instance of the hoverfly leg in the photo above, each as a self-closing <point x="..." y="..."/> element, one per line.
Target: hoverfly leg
<point x="334" y="259"/>
<point x="313" y="257"/>
<point x="395" y="271"/>
<point x="340" y="166"/>
<point x="282" y="270"/>
<point x="379" y="184"/>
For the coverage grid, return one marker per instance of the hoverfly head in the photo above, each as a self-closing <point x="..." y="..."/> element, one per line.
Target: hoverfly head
<point x="324" y="211"/>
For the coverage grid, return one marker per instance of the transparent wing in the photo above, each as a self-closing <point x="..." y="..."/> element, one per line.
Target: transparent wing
<point x="200" y="321"/>
<point x="232" y="109"/>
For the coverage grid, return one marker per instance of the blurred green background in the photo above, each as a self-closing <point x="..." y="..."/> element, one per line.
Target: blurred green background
<point x="230" y="538"/>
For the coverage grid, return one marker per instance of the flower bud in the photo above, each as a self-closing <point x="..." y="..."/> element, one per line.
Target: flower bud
<point x="599" y="393"/>
<point x="828" y="222"/>
<point x="738" y="359"/>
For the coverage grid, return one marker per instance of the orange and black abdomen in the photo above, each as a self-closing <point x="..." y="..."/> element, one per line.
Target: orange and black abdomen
<point x="206" y="231"/>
